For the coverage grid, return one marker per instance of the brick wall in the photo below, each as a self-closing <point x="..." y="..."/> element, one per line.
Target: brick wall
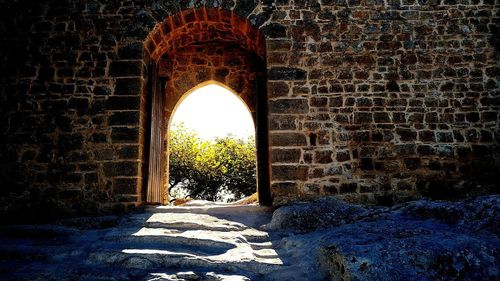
<point x="370" y="99"/>
<point x="366" y="98"/>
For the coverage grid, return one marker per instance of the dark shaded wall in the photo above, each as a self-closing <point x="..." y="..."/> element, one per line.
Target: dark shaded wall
<point x="367" y="99"/>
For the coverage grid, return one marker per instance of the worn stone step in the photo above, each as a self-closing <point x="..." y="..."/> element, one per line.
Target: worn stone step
<point x="152" y="259"/>
<point x="202" y="238"/>
<point x="186" y="221"/>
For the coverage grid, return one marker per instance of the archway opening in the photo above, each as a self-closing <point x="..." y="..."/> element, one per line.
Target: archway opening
<point x="193" y="47"/>
<point x="211" y="145"/>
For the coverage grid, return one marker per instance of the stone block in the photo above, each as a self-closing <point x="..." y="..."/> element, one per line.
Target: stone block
<point x="405" y="149"/>
<point x="426" y="136"/>
<point x="287" y="139"/>
<point x="123" y="103"/>
<point x="323" y="156"/>
<point x="288" y="155"/>
<point x="125" y="185"/>
<point x="81" y="105"/>
<point x="406" y="134"/>
<point x="274" y="30"/>
<point x="425" y="150"/>
<point x="283" y="122"/>
<point x="124" y="118"/>
<point x="343" y="155"/>
<point x="363" y="117"/>
<point x="366" y="164"/>
<point x="129" y="152"/>
<point x="348" y="187"/>
<point x="102" y="91"/>
<point x="121" y="169"/>
<point x="128" y="86"/>
<point x="125" y="68"/>
<point x="412" y="163"/>
<point x="278" y="89"/>
<point x="68" y="142"/>
<point x="291" y="106"/>
<point x="335" y="102"/>
<point x="444" y="136"/>
<point x="131" y="51"/>
<point x="289" y="172"/>
<point x="381" y="117"/>
<point x="125" y="134"/>
<point x="284" y="188"/>
<point x="286" y="73"/>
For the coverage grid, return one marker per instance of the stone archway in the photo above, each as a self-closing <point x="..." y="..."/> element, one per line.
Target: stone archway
<point x="190" y="48"/>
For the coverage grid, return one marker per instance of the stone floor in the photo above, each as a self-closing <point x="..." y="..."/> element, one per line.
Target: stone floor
<point x="205" y="242"/>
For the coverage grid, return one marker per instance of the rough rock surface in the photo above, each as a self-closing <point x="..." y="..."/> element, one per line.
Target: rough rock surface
<point x="420" y="240"/>
<point x="305" y="217"/>
<point x="326" y="239"/>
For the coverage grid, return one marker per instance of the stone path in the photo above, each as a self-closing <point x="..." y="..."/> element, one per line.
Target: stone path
<point x="207" y="242"/>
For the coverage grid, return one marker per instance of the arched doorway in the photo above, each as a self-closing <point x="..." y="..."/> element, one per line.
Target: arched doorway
<point x="199" y="46"/>
<point x="211" y="143"/>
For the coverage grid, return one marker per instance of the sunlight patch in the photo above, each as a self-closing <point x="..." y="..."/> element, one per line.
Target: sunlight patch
<point x="214" y="111"/>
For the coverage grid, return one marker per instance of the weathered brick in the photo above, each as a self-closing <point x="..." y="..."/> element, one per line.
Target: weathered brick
<point x="289" y="106"/>
<point x="289" y="172"/>
<point x="412" y="163"/>
<point x="283" y="122"/>
<point x="286" y="73"/>
<point x="335" y="102"/>
<point x="284" y="188"/>
<point x="129" y="152"/>
<point x="348" y="187"/>
<point x="274" y="30"/>
<point x="288" y="155"/>
<point x="426" y="136"/>
<point x="125" y="185"/>
<point x="405" y="149"/>
<point x="363" y="117"/>
<point x="131" y="51"/>
<point x="124" y="168"/>
<point x="124" y="118"/>
<point x="278" y="89"/>
<point x="323" y="156"/>
<point x="122" y="103"/>
<point x="125" y="68"/>
<point x="128" y="86"/>
<point x="125" y="134"/>
<point x="381" y="117"/>
<point x="406" y="134"/>
<point x="287" y="139"/>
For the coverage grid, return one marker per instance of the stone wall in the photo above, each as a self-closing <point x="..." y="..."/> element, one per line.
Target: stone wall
<point x="376" y="97"/>
<point x="365" y="97"/>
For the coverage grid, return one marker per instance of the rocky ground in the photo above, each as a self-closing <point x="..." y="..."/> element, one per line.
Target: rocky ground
<point x="324" y="240"/>
<point x="207" y="242"/>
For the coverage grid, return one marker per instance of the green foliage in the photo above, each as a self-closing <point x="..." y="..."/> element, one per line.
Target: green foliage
<point x="210" y="169"/>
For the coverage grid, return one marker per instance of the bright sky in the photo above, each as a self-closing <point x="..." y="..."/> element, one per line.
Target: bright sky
<point x="214" y="111"/>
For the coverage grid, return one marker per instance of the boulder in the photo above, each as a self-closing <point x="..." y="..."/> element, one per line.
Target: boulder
<point x="419" y="240"/>
<point x="303" y="217"/>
